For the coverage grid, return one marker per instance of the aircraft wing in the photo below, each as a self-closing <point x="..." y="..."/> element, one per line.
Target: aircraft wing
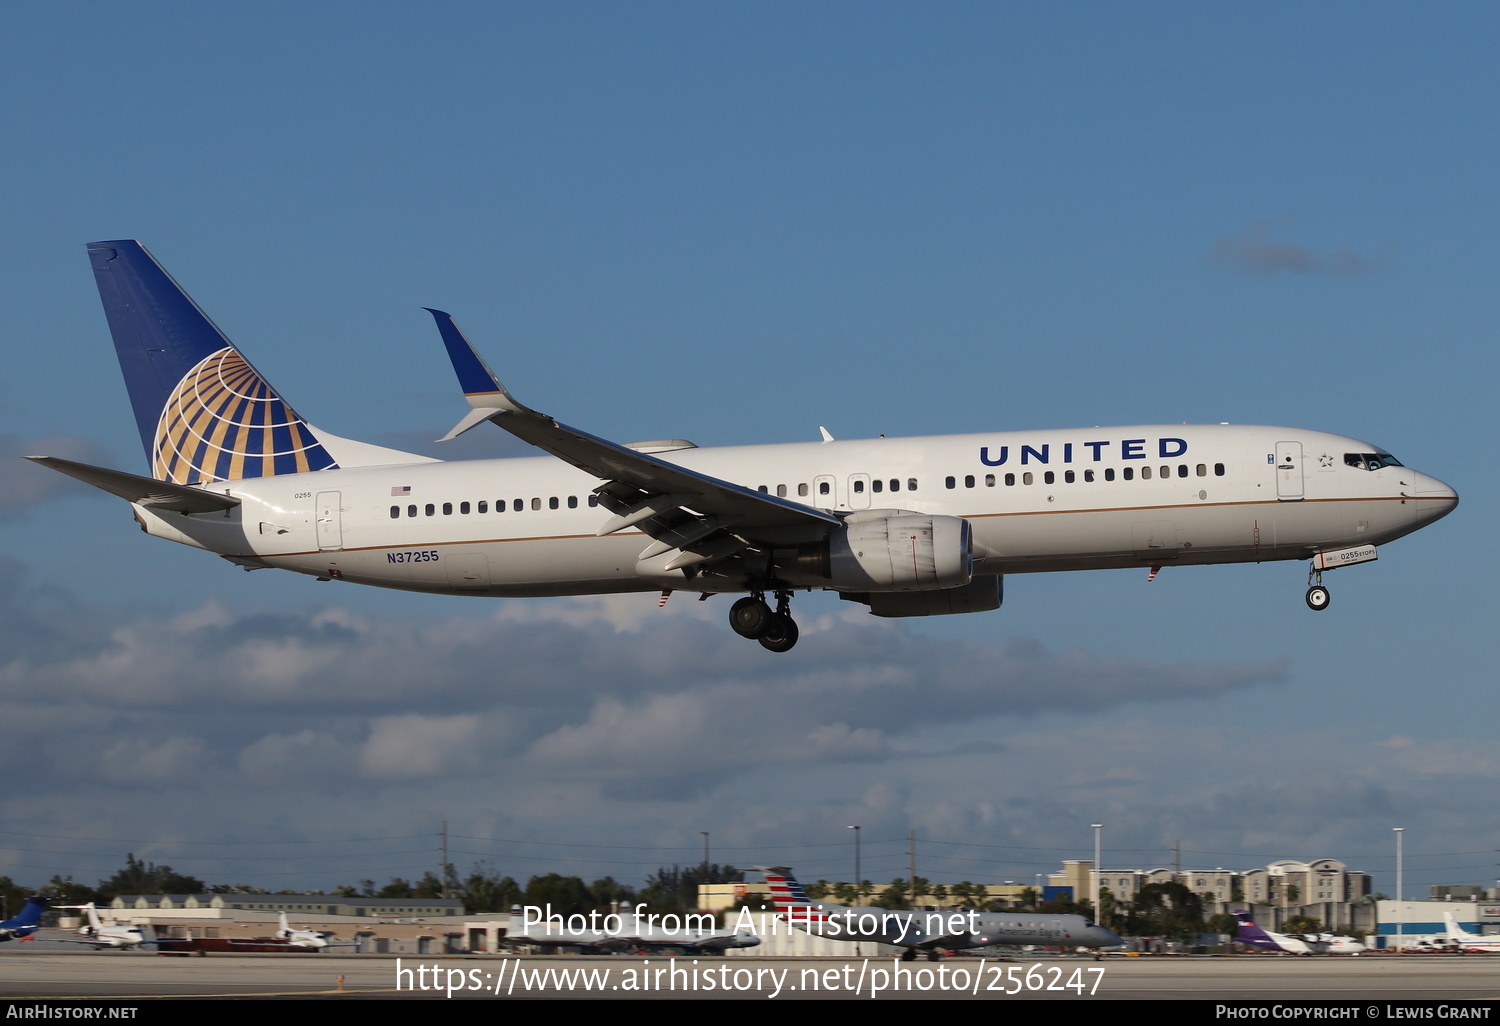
<point x="708" y="519"/>
<point x="144" y="491"/>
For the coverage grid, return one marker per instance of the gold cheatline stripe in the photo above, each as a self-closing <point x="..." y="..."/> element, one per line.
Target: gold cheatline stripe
<point x="966" y="516"/>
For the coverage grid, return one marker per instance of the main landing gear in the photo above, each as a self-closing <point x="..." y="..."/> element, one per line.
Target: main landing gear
<point x="752" y="618"/>
<point x="1317" y="595"/>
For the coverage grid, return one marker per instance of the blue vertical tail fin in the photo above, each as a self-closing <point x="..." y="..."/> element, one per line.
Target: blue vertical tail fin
<point x="203" y="412"/>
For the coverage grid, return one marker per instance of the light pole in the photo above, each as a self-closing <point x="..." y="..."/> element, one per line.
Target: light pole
<point x="1400" y="911"/>
<point x="857" y="895"/>
<point x="855" y="828"/>
<point x="1094" y="876"/>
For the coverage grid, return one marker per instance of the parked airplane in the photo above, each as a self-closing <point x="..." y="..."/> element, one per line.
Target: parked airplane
<point x="307" y="940"/>
<point x="1293" y="943"/>
<point x="908" y="527"/>
<point x="24" y="923"/>
<point x="101" y="936"/>
<point x="931" y="931"/>
<point x="1463" y="940"/>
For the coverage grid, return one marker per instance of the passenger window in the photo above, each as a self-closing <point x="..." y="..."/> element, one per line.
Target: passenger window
<point x="1109" y="473"/>
<point x="911" y="484"/>
<point x="1218" y="470"/>
<point x="1049" y="477"/>
<point x="395" y="512"/>
<point x="802" y="490"/>
<point x="950" y="482"/>
<point x="969" y="481"/>
<point x="824" y="487"/>
<point x="484" y="505"/>
<point x="1145" y="473"/>
<point x="1166" y="472"/>
<point x="411" y="511"/>
<point x="518" y="505"/>
<point x="552" y="502"/>
<point x="447" y="509"/>
<point x="1088" y="477"/>
<point x="1027" y="478"/>
<point x="1182" y="470"/>
<point x="536" y="503"/>
<point x="431" y="509"/>
<point x="764" y="490"/>
<point x="593" y="500"/>
<point x="1069" y="477"/>
<point x="1129" y="473"/>
<point x="463" y="507"/>
<point x="572" y="502"/>
<point x="781" y="491"/>
<point x="875" y="485"/>
<point x="1202" y="470"/>
<point x="1010" y="480"/>
<point x="895" y="484"/>
<point x="859" y="488"/>
<point x="989" y="480"/>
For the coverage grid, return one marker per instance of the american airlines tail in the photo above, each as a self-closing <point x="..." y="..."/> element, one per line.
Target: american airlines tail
<point x="791" y="900"/>
<point x="204" y="413"/>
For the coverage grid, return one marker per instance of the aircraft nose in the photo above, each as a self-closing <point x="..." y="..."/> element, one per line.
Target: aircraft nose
<point x="1435" y="499"/>
<point x="1106" y="938"/>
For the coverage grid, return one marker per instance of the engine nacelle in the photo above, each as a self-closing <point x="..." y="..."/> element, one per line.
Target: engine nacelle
<point x="905" y="552"/>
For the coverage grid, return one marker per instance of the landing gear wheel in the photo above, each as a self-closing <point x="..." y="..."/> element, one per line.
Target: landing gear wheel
<point x="750" y="617"/>
<point x="909" y="955"/>
<point x="1317" y="598"/>
<point x="934" y="955"/>
<point x="780" y="634"/>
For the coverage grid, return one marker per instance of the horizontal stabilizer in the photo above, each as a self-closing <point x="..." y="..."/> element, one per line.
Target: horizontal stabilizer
<point x="143" y="491"/>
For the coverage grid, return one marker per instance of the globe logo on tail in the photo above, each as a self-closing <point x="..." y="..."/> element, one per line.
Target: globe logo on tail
<point x="223" y="422"/>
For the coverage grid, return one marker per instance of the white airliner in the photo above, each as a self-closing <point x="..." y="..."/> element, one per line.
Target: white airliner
<point x="906" y="526"/>
<point x="932" y="932"/>
<point x="1254" y="936"/>
<point x="1465" y="941"/>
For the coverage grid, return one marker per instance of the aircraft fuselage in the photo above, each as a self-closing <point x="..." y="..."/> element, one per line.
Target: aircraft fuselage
<point x="1035" y="501"/>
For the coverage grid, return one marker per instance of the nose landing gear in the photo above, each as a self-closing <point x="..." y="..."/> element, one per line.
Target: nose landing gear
<point x="751" y="617"/>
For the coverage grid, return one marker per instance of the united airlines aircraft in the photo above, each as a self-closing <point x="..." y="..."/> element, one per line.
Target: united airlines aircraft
<point x="905" y="526"/>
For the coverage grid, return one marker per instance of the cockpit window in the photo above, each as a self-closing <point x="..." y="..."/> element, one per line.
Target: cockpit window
<point x="1370" y="460"/>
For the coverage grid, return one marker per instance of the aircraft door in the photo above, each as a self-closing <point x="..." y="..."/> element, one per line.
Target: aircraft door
<point x="330" y="522"/>
<point x="1289" y="472"/>
<point x="823" y="496"/>
<point x="859" y="491"/>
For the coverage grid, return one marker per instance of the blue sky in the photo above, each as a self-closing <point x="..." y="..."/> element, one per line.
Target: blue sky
<point x="734" y="223"/>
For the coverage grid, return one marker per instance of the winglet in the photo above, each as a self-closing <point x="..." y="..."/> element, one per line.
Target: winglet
<point x="481" y="387"/>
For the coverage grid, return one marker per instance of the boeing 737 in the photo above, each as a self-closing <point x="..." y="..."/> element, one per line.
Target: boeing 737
<point x="1463" y="940"/>
<point x="905" y="526"/>
<point x="932" y="932"/>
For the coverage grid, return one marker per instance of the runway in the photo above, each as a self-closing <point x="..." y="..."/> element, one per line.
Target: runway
<point x="134" y="975"/>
